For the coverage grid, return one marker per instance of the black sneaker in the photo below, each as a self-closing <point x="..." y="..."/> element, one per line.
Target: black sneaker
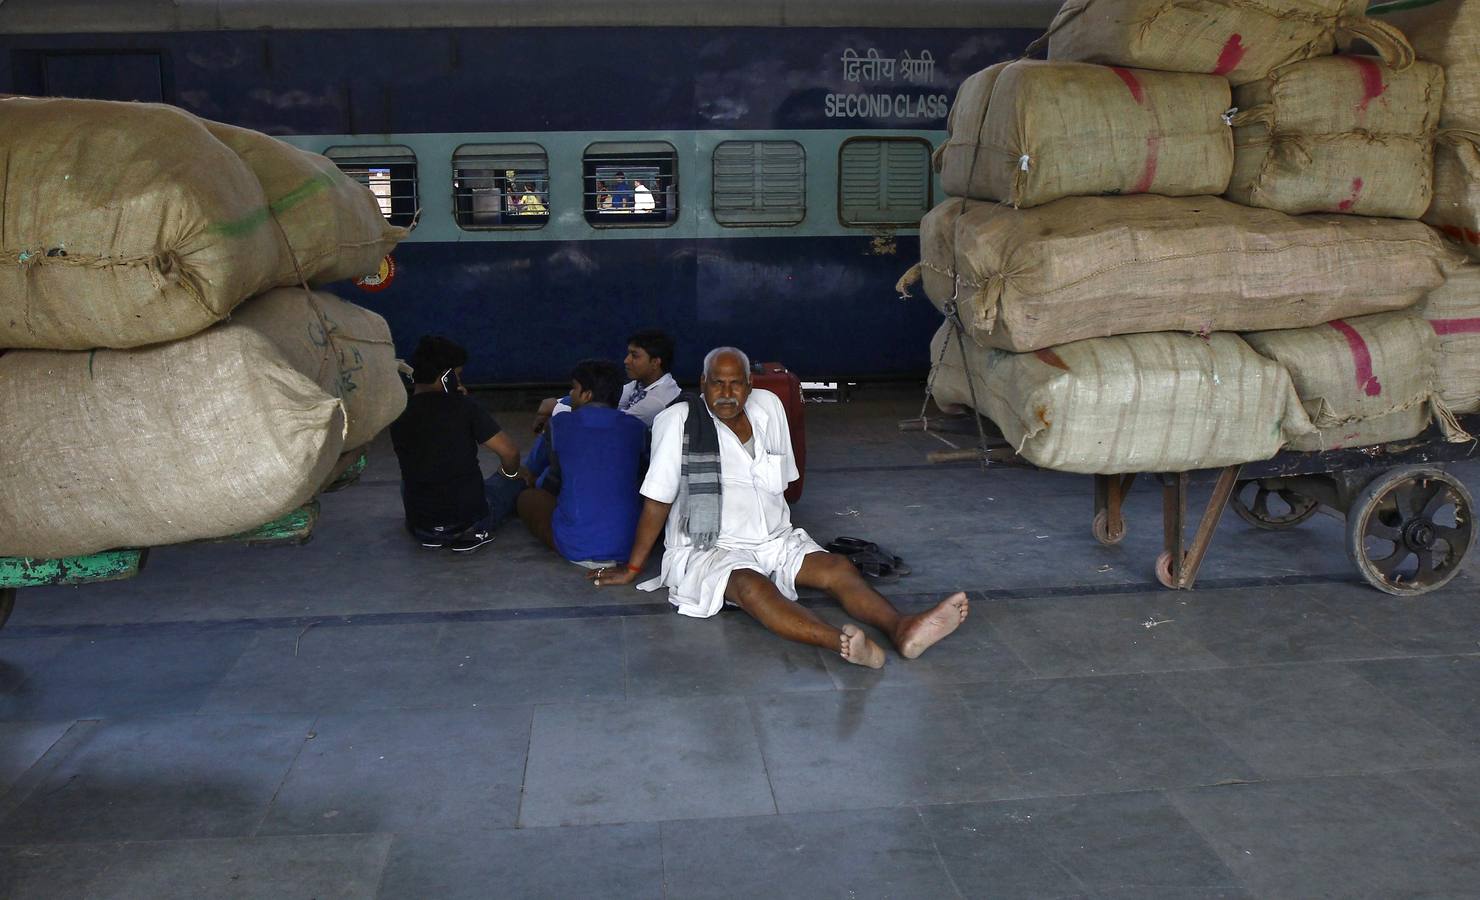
<point x="433" y="545"/>
<point x="469" y="543"/>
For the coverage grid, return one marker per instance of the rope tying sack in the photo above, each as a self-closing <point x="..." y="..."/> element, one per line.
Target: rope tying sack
<point x="1387" y="40"/>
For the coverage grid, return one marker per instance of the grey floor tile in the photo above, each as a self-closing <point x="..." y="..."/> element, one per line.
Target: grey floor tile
<point x="643" y="761"/>
<point x="679" y="656"/>
<point x="127" y="675"/>
<point x="22" y="744"/>
<point x="857" y="854"/>
<point x="161" y="779"/>
<point x="1444" y="690"/>
<point x="574" y="862"/>
<point x="20" y="658"/>
<point x="1093" y="735"/>
<point x="1444" y="621"/>
<point x="975" y="652"/>
<point x="325" y="867"/>
<point x="49" y="871"/>
<point x="1334" y="837"/>
<point x="1134" y="844"/>
<point x="1318" y="719"/>
<point x="1099" y="635"/>
<point x="861" y="749"/>
<point x="1456" y="792"/>
<point x="404" y="771"/>
<point x="1251" y="627"/>
<point x="534" y="662"/>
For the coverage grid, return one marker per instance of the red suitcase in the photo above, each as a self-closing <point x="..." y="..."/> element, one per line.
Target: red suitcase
<point x="776" y="378"/>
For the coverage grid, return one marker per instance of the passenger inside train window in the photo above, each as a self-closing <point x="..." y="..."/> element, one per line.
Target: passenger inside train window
<point x="621" y="193"/>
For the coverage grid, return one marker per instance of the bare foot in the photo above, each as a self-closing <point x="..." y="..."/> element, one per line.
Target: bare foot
<point x="918" y="633"/>
<point x="856" y="648"/>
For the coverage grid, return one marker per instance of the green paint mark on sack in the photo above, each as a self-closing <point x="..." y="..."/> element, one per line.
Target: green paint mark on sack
<point x="258" y="217"/>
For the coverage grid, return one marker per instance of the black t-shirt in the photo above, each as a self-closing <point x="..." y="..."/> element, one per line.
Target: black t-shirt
<point x="436" y="441"/>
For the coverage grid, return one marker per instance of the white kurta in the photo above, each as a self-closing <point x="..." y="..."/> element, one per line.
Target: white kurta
<point x="755" y="522"/>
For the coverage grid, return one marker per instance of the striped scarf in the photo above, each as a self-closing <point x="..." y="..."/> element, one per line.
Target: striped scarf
<point x="699" y="475"/>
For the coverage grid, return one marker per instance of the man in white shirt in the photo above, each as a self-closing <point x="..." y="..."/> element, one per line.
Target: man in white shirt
<point x="743" y="548"/>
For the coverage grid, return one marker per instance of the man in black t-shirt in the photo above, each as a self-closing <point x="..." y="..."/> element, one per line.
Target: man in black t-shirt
<point x="447" y="501"/>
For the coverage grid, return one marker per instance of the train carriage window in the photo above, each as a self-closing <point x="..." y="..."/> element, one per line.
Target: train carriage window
<point x="500" y="186"/>
<point x="630" y="184"/>
<point x="760" y="183"/>
<point x="883" y="181"/>
<point x="390" y="174"/>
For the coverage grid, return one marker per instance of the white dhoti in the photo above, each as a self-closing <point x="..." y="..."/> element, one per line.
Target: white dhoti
<point x="696" y="579"/>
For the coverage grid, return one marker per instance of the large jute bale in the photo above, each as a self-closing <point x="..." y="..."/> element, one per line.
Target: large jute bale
<point x="123" y="224"/>
<point x="1239" y="39"/>
<point x="1052" y="130"/>
<point x="200" y="438"/>
<point x="1086" y="267"/>
<point x="332" y="222"/>
<point x="1338" y="134"/>
<point x="346" y="349"/>
<point x="1448" y="32"/>
<point x="1139" y="403"/>
<point x="1362" y="381"/>
<point x="1453" y="312"/>
<point x="1455" y="209"/>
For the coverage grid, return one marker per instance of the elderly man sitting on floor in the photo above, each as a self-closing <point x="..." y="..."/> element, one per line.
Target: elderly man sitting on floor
<point x="719" y="466"/>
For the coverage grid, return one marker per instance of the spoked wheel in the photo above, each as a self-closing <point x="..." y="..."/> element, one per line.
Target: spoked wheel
<point x="7" y="604"/>
<point x="1409" y="529"/>
<point x="1272" y="509"/>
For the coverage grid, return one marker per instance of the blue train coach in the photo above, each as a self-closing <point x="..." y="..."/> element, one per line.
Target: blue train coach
<point x="747" y="173"/>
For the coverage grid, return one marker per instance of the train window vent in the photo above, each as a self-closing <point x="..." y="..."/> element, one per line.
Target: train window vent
<point x="630" y="183"/>
<point x="884" y="181"/>
<point x="498" y="186"/>
<point x="760" y="183"/>
<point x="390" y="174"/>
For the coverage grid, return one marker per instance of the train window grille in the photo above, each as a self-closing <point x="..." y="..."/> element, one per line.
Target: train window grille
<point x="760" y="183"/>
<point x="497" y="186"/>
<point x="630" y="184"/>
<point x="883" y="181"/>
<point x="390" y="174"/>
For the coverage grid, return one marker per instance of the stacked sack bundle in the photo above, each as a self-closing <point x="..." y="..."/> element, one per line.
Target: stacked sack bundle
<point x="1104" y="295"/>
<point x="134" y="415"/>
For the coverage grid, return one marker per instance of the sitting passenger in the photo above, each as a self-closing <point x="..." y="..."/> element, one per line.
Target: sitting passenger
<point x="446" y="500"/>
<point x="596" y="457"/>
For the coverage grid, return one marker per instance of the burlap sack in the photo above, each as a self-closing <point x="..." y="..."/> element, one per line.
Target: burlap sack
<point x="122" y="224"/>
<point x="964" y="127"/>
<point x="345" y="349"/>
<point x="1448" y="32"/>
<point x="1338" y="134"/>
<point x="332" y="222"/>
<point x="200" y="438"/>
<point x="1453" y="312"/>
<point x="1140" y="403"/>
<point x="1455" y="209"/>
<point x="1240" y="39"/>
<point x="1086" y="267"/>
<point x="1054" y="130"/>
<point x="1362" y="381"/>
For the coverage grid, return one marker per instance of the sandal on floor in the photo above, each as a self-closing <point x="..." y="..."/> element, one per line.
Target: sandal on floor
<point x="874" y="562"/>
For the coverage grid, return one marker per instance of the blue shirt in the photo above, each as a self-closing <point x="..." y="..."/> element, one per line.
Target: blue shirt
<point x="599" y="452"/>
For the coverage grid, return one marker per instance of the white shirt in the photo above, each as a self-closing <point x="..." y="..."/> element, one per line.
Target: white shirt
<point x="655" y="398"/>
<point x="642" y="199"/>
<point x="753" y="510"/>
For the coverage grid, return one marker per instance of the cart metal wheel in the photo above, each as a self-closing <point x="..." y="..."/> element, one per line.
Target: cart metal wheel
<point x="1252" y="502"/>
<point x="7" y="604"/>
<point x="1408" y="530"/>
<point x="1164" y="570"/>
<point x="1101" y="529"/>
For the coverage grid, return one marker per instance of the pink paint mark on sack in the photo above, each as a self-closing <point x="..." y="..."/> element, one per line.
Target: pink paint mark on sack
<point x="1051" y="358"/>
<point x="1455" y="326"/>
<point x="1231" y="55"/>
<point x="1132" y="82"/>
<point x="1361" y="356"/>
<point x="1347" y="204"/>
<point x="1463" y="235"/>
<point x="1148" y="174"/>
<point x="1371" y="75"/>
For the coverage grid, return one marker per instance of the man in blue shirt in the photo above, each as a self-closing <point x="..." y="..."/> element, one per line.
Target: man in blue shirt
<point x="596" y="452"/>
